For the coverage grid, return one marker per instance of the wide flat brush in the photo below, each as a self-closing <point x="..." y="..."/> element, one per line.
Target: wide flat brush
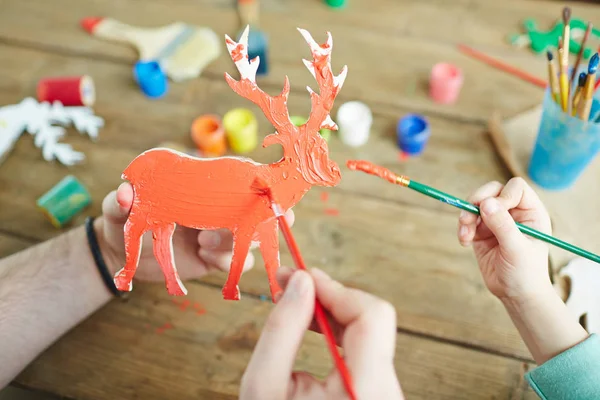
<point x="370" y="168"/>
<point x="262" y="187"/>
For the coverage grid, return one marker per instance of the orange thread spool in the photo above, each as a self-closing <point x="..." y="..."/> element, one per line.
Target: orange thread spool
<point x="209" y="136"/>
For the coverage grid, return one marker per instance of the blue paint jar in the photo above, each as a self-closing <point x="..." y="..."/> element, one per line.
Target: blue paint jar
<point x="564" y="147"/>
<point x="151" y="78"/>
<point x="412" y="133"/>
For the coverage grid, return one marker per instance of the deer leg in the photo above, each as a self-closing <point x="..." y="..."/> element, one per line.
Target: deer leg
<point x="135" y="227"/>
<point x="242" y="239"/>
<point x="268" y="234"/>
<point x="163" y="252"/>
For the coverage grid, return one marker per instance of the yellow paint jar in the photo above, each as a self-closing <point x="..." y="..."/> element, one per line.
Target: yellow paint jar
<point x="241" y="129"/>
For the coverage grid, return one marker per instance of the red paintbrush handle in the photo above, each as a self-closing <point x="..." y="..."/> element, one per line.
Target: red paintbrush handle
<point x="502" y="66"/>
<point x="319" y="312"/>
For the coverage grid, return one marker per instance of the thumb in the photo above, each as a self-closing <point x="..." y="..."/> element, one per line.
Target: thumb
<point x="500" y="222"/>
<point x="280" y="340"/>
<point x="117" y="204"/>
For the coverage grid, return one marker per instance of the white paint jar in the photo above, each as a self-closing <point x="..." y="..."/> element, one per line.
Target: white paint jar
<point x="354" y="120"/>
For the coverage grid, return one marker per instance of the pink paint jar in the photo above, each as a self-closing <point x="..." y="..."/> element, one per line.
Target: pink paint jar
<point x="445" y="83"/>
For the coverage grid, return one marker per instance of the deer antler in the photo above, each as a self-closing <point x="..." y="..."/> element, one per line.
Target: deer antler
<point x="329" y="84"/>
<point x="274" y="108"/>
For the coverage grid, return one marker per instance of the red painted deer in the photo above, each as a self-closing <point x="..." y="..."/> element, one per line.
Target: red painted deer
<point x="171" y="188"/>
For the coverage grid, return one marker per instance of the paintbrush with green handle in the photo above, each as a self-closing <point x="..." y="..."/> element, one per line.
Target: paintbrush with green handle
<point x="402" y="180"/>
<point x="257" y="40"/>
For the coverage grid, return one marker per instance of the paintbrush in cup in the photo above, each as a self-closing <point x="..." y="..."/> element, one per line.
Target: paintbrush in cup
<point x="262" y="187"/>
<point x="248" y="11"/>
<point x="553" y="77"/>
<point x="563" y="81"/>
<point x="577" y="94"/>
<point x="384" y="173"/>
<point x="588" y="90"/>
<point x="586" y="35"/>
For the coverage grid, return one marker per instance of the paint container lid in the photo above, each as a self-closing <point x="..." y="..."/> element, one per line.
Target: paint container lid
<point x="354" y="120"/>
<point x="151" y="78"/>
<point x="445" y="83"/>
<point x="208" y="134"/>
<point x="413" y="133"/>
<point x="336" y="3"/>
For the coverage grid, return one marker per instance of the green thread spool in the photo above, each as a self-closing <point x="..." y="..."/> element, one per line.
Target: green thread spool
<point x="65" y="200"/>
<point x="297" y="120"/>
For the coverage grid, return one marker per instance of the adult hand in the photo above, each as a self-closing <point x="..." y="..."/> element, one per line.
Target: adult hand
<point x="196" y="252"/>
<point x="513" y="265"/>
<point x="366" y="329"/>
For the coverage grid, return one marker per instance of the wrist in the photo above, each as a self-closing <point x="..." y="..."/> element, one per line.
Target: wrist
<point x="111" y="259"/>
<point x="516" y="304"/>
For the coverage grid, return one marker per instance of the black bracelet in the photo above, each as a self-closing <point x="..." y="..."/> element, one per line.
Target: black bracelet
<point x="95" y="249"/>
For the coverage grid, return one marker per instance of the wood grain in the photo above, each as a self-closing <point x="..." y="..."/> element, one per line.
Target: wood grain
<point x="124" y="351"/>
<point x="454" y="338"/>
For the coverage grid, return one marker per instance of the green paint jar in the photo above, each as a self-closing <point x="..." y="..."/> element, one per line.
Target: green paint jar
<point x="65" y="200"/>
<point x="297" y="120"/>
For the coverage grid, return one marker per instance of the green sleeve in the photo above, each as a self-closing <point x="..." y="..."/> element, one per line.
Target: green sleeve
<point x="573" y="374"/>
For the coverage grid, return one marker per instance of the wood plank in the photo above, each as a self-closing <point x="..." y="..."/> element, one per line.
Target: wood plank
<point x="416" y="258"/>
<point x="122" y="352"/>
<point x="393" y="64"/>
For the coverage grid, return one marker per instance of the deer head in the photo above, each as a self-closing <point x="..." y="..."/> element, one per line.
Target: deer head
<point x="303" y="145"/>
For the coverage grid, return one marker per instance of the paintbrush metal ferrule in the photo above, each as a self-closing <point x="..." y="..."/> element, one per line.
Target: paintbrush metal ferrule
<point x="403" y="180"/>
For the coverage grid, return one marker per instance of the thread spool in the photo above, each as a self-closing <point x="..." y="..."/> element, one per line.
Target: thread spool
<point x="413" y="134"/>
<point x="354" y="120"/>
<point x="209" y="136"/>
<point x="445" y="83"/>
<point x="70" y="90"/>
<point x="241" y="129"/>
<point x="297" y="120"/>
<point x="151" y="78"/>
<point x="65" y="200"/>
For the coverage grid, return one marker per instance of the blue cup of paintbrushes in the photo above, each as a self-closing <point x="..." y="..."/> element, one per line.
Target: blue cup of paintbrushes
<point x="564" y="147"/>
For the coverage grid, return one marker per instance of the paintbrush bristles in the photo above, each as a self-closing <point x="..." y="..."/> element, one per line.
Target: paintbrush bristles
<point x="566" y="15"/>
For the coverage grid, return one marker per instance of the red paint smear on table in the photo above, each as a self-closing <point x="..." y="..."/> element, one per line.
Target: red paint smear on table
<point x="402" y="156"/>
<point x="372" y="169"/>
<point x="199" y="309"/>
<point x="160" y="330"/>
<point x="324" y="197"/>
<point x="174" y="189"/>
<point x="334" y="212"/>
<point x="184" y="305"/>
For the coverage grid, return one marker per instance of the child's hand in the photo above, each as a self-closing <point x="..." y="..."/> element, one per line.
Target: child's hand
<point x="365" y="327"/>
<point x="513" y="265"/>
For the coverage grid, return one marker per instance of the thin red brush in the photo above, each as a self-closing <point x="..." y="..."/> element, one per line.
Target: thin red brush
<point x="598" y="81"/>
<point x="263" y="187"/>
<point x="502" y="65"/>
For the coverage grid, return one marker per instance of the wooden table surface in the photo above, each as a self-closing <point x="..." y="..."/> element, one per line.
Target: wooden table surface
<point x="454" y="338"/>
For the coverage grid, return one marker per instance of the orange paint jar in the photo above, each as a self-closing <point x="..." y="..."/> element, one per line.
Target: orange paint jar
<point x="208" y="134"/>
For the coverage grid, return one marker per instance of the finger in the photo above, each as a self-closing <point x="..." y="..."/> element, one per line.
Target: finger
<point x="518" y="194"/>
<point x="467" y="222"/>
<point x="305" y="386"/>
<point x="499" y="221"/>
<point x="283" y="276"/>
<point x="219" y="239"/>
<point x="117" y="204"/>
<point x="370" y="323"/>
<point x="275" y="352"/>
<point x="222" y="259"/>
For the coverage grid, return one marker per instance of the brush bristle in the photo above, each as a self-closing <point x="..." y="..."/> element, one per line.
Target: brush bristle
<point x="593" y="65"/>
<point x="549" y="55"/>
<point x="566" y="14"/>
<point x="582" y="78"/>
<point x="261" y="186"/>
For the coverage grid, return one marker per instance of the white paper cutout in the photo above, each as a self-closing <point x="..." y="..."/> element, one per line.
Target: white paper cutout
<point x="584" y="296"/>
<point x="41" y="120"/>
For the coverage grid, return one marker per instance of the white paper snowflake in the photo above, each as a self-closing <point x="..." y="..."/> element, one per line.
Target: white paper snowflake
<point x="46" y="122"/>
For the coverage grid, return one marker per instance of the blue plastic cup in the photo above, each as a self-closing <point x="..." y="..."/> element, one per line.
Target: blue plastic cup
<point x="564" y="147"/>
<point x="412" y="133"/>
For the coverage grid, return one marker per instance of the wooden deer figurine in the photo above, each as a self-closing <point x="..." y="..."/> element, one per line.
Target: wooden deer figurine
<point x="173" y="188"/>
